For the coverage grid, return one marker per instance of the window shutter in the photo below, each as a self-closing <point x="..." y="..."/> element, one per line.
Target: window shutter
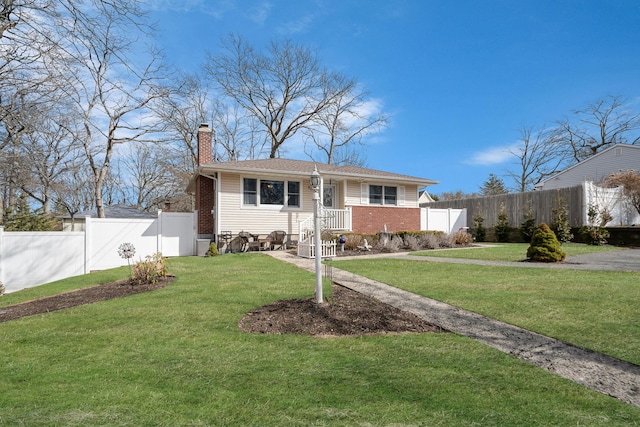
<point x="364" y="194"/>
<point x="400" y="196"/>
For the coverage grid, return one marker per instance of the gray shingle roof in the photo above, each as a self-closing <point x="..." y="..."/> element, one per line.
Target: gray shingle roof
<point x="115" y="211"/>
<point x="304" y="168"/>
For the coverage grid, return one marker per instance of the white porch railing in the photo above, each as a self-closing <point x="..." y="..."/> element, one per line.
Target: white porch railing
<point x="307" y="249"/>
<point x="335" y="219"/>
<point x="330" y="219"/>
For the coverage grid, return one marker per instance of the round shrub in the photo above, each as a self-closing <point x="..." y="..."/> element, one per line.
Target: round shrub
<point x="213" y="250"/>
<point x="545" y="247"/>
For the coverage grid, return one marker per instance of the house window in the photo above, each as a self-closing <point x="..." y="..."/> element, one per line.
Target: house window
<point x="390" y="195"/>
<point x="383" y="195"/>
<point x="250" y="191"/>
<point x="272" y="192"/>
<point x="293" y="194"/>
<point x="375" y="194"/>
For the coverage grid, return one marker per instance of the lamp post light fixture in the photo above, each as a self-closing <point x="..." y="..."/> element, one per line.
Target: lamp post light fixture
<point x="315" y="186"/>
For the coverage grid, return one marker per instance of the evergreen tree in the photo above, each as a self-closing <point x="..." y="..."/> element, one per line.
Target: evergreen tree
<point x="560" y="224"/>
<point x="502" y="227"/>
<point x="545" y="247"/>
<point x="24" y="219"/>
<point x="528" y="227"/>
<point x="493" y="186"/>
<point x="480" y="231"/>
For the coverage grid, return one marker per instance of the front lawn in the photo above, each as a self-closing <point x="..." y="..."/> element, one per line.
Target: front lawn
<point x="510" y="252"/>
<point x="176" y="357"/>
<point x="594" y="309"/>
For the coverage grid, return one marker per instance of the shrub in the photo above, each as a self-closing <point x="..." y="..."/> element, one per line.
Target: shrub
<point x="481" y="232"/>
<point x="412" y="243"/>
<point x="389" y="245"/>
<point x="213" y="250"/>
<point x="149" y="271"/>
<point x="445" y="240"/>
<point x="352" y="241"/>
<point x="428" y="241"/>
<point x="462" y="238"/>
<point x="502" y="227"/>
<point x="2" y="289"/>
<point x="545" y="247"/>
<point x="595" y="233"/>
<point x="528" y="227"/>
<point x="560" y="224"/>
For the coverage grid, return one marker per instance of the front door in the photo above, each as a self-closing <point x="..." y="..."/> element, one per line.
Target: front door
<point x="329" y="197"/>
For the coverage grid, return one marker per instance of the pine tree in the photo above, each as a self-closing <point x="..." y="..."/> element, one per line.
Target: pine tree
<point x="560" y="224"/>
<point x="502" y="227"/>
<point x="480" y="231"/>
<point x="528" y="227"/>
<point x="24" y="219"/>
<point x="493" y="186"/>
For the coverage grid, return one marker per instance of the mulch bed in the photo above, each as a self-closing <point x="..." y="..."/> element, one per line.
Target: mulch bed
<point x="347" y="312"/>
<point x="78" y="297"/>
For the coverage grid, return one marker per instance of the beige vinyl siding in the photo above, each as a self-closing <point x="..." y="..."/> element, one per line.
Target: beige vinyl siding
<point x="358" y="194"/>
<point x="235" y="217"/>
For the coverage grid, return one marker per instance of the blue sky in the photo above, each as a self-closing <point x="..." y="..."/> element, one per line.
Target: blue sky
<point x="459" y="78"/>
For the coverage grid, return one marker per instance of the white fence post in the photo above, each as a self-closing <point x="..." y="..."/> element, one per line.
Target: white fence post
<point x="159" y="232"/>
<point x="87" y="244"/>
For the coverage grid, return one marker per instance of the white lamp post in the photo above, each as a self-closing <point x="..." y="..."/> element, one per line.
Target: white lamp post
<point x="315" y="186"/>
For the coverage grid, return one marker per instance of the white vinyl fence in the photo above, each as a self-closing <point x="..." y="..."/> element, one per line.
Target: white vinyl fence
<point x="32" y="258"/>
<point x="447" y="220"/>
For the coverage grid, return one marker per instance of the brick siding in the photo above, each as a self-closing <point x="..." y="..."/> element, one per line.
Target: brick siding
<point x="205" y="201"/>
<point x="372" y="219"/>
<point x="205" y="193"/>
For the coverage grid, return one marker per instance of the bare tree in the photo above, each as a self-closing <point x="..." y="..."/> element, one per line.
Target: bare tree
<point x="50" y="151"/>
<point x="606" y="122"/>
<point x="283" y="89"/>
<point x="113" y="90"/>
<point x="183" y="111"/>
<point x="148" y="171"/>
<point x="539" y="154"/>
<point x="629" y="180"/>
<point x="73" y="190"/>
<point x="338" y="129"/>
<point x="236" y="134"/>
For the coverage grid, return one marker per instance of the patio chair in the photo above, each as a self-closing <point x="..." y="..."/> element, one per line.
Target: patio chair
<point x="250" y="241"/>
<point x="224" y="238"/>
<point x="277" y="239"/>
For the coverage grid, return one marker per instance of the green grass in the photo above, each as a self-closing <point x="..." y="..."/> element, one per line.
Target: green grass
<point x="593" y="309"/>
<point x="176" y="357"/>
<point x="509" y="251"/>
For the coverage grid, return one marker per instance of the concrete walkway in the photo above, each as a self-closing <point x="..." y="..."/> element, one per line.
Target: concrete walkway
<point x="594" y="370"/>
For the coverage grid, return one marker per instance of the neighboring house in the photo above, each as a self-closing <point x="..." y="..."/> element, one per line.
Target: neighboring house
<point x="595" y="168"/>
<point x="578" y="186"/>
<point x="424" y="199"/>
<point x="77" y="222"/>
<point x="261" y="196"/>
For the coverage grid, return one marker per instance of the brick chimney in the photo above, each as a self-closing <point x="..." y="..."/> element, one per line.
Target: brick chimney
<point x="205" y="154"/>
<point x="205" y="187"/>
